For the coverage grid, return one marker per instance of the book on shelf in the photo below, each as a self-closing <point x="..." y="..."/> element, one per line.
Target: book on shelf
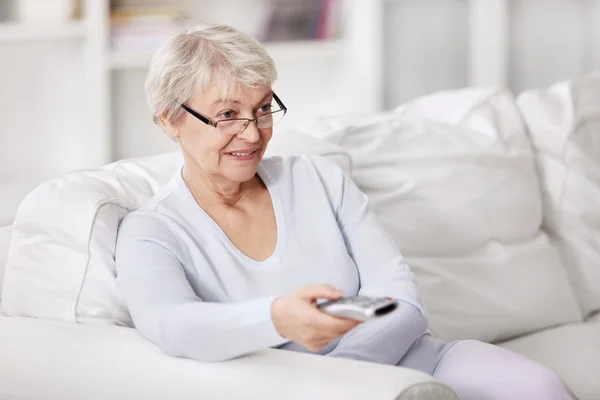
<point x="143" y="30"/>
<point x="288" y="20"/>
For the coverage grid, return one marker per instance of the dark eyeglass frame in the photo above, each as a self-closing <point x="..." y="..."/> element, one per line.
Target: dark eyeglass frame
<point x="255" y="120"/>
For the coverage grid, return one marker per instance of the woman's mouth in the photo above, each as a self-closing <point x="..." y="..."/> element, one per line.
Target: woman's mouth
<point x="242" y="155"/>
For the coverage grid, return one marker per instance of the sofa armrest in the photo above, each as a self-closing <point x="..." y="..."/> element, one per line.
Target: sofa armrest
<point x="55" y="360"/>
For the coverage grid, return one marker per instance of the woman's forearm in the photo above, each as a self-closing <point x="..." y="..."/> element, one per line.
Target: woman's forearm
<point x="216" y="332"/>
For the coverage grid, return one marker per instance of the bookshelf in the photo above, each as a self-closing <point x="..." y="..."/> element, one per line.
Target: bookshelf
<point x="89" y="105"/>
<point x="113" y="79"/>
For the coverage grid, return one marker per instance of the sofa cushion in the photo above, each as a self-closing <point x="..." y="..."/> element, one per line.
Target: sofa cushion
<point x="61" y="260"/>
<point x="293" y="141"/>
<point x="572" y="351"/>
<point x="452" y="177"/>
<point x="564" y="124"/>
<point x="5" y="234"/>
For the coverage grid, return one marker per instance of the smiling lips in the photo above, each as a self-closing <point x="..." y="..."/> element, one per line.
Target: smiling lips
<point x="242" y="154"/>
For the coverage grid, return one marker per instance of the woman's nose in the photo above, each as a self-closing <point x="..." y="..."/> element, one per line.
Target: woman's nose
<point x="251" y="133"/>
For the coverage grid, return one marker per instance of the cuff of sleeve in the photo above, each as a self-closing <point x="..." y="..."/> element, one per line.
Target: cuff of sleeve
<point x="270" y="333"/>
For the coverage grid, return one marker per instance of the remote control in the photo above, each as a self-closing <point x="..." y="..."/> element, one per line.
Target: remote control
<point x="361" y="308"/>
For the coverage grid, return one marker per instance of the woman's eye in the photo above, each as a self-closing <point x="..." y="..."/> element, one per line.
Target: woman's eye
<point x="265" y="108"/>
<point x="227" y="114"/>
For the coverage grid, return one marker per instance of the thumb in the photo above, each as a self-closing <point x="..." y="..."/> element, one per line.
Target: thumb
<point x="319" y="291"/>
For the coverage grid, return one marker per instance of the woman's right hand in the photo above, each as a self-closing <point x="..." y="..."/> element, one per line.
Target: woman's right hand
<point x="297" y="317"/>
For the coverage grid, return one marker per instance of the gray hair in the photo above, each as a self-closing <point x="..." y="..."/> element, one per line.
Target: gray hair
<point x="195" y="59"/>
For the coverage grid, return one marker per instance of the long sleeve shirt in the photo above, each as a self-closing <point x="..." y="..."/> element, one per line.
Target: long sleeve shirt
<point x="190" y="290"/>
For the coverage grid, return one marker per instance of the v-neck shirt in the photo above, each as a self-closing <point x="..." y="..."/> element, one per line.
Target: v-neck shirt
<point x="193" y="292"/>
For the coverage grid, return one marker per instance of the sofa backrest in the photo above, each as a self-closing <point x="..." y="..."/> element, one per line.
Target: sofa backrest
<point x="5" y="233"/>
<point x="564" y="124"/>
<point x="452" y="176"/>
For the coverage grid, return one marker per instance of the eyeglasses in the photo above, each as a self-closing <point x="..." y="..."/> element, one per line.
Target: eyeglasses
<point x="235" y="126"/>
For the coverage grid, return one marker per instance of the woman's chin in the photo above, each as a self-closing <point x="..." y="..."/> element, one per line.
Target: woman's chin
<point x="242" y="170"/>
<point x="241" y="174"/>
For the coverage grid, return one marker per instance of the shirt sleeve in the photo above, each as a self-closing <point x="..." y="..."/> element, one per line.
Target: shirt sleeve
<point x="166" y="310"/>
<point x="382" y="273"/>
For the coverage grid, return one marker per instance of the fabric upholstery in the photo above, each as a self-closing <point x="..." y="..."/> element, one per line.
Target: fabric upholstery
<point x="452" y="176"/>
<point x="564" y="124"/>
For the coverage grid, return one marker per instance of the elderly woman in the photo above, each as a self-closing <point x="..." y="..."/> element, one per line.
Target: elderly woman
<point x="233" y="254"/>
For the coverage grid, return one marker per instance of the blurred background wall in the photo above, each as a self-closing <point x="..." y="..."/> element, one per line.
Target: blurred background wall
<point x="72" y="71"/>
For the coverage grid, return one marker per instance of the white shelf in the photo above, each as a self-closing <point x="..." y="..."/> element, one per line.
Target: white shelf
<point x="17" y="31"/>
<point x="281" y="52"/>
<point x="306" y="49"/>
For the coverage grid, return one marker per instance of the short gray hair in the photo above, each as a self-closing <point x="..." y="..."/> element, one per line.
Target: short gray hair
<point x="195" y="58"/>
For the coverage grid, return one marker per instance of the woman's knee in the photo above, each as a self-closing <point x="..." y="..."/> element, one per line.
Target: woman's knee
<point x="534" y="380"/>
<point x="479" y="370"/>
<point x="546" y="384"/>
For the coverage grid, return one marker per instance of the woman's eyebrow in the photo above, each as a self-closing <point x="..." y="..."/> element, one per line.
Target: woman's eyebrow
<point x="266" y="95"/>
<point x="270" y="94"/>
<point x="220" y="101"/>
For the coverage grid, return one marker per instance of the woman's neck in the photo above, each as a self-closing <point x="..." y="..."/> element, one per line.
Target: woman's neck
<point x="211" y="191"/>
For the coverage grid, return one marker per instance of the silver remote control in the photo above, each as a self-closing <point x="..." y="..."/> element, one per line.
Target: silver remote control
<point x="361" y="308"/>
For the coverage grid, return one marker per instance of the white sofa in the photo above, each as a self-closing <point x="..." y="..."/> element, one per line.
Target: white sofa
<point x="49" y="357"/>
<point x="493" y="200"/>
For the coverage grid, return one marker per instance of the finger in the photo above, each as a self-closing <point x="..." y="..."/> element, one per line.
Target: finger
<point x="317" y="345"/>
<point x="328" y="323"/>
<point x="319" y="291"/>
<point x="338" y="326"/>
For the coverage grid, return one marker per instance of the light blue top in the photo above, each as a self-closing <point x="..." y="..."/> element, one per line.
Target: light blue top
<point x="196" y="295"/>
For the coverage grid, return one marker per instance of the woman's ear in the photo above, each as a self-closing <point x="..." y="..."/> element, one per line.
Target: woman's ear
<point x="171" y="130"/>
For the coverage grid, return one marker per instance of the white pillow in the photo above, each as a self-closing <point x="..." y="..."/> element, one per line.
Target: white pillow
<point x="293" y="142"/>
<point x="452" y="177"/>
<point x="61" y="259"/>
<point x="564" y="123"/>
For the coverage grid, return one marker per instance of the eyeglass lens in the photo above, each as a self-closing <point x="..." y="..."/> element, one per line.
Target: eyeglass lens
<point x="236" y="126"/>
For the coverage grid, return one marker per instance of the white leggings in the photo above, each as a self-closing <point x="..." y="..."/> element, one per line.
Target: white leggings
<point x="480" y="371"/>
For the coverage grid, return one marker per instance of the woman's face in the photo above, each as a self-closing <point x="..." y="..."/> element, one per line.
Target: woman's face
<point x="232" y="158"/>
